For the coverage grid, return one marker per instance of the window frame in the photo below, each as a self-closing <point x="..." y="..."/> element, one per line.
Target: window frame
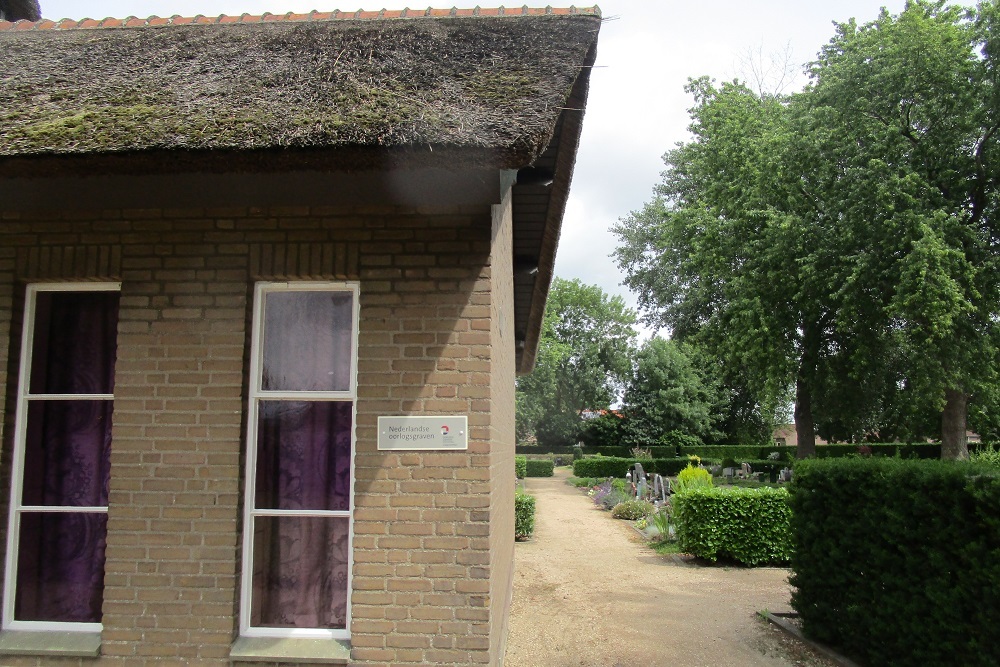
<point x="16" y="508"/>
<point x="255" y="396"/>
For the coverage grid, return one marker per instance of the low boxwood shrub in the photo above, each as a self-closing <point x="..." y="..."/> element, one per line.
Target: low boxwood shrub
<point x="747" y="525"/>
<point x="538" y="468"/>
<point x="632" y="509"/>
<point x="895" y="560"/>
<point x="524" y="515"/>
<point x="520" y="466"/>
<point x="692" y="478"/>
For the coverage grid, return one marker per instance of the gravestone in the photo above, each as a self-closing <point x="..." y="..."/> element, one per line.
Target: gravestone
<point x="638" y="476"/>
<point x="660" y="489"/>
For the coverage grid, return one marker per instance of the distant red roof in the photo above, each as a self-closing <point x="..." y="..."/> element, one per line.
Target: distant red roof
<point x="133" y="22"/>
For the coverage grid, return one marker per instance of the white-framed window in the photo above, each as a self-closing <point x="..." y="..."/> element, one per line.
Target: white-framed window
<point x="297" y="525"/>
<point x="57" y="526"/>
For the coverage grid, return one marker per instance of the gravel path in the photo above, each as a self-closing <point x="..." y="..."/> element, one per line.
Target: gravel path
<point x="589" y="592"/>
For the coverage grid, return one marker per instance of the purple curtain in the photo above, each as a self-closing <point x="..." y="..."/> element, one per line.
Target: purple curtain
<point x="74" y="346"/>
<point x="60" y="567"/>
<point x="67" y="450"/>
<point x="304" y="455"/>
<point x="300" y="572"/>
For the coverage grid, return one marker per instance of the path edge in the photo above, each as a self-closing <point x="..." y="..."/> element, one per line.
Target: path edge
<point x="781" y="620"/>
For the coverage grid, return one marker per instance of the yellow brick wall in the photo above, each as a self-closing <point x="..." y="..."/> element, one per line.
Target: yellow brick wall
<point x="423" y="591"/>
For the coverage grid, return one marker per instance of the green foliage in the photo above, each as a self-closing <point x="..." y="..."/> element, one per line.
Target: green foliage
<point x="632" y="509"/>
<point x="692" y="478"/>
<point x="557" y="430"/>
<point x="603" y="431"/>
<point x="679" y="440"/>
<point x="668" y="392"/>
<point x="612" y="466"/>
<point x="854" y="260"/>
<point x="582" y="362"/>
<point x="895" y="560"/>
<point x="539" y="468"/>
<point x="577" y="453"/>
<point x="661" y="520"/>
<point x="520" y="466"/>
<point x="988" y="456"/>
<point x="583" y="482"/>
<point x="750" y="526"/>
<point x="741" y="453"/>
<point x="609" y="493"/>
<point x="524" y="515"/>
<point x="737" y="452"/>
<point x="626" y="452"/>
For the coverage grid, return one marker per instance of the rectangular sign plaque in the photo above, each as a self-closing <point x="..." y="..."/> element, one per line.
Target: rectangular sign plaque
<point x="442" y="433"/>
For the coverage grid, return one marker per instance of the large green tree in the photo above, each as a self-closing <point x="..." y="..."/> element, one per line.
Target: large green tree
<point x="842" y="241"/>
<point x="583" y="361"/>
<point x="913" y="101"/>
<point x="728" y="252"/>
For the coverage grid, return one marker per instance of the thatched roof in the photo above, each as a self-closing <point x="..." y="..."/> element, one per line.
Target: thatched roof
<point x="423" y="81"/>
<point x="498" y="89"/>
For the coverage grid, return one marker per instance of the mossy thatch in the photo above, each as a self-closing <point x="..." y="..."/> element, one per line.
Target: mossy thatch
<point x="491" y="83"/>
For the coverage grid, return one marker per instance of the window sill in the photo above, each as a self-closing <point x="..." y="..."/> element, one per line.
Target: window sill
<point x="52" y="643"/>
<point x="293" y="650"/>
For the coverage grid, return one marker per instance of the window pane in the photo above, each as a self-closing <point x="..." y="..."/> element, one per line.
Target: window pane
<point x="67" y="453"/>
<point x="307" y="341"/>
<point x="75" y="338"/>
<point x="60" y="567"/>
<point x="304" y="455"/>
<point x="300" y="572"/>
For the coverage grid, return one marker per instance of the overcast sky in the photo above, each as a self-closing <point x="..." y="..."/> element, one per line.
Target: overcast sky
<point x="637" y="108"/>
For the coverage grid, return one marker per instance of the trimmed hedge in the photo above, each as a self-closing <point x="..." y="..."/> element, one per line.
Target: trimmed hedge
<point x="624" y="452"/>
<point x="612" y="466"/>
<point x="741" y="453"/>
<point x="539" y="449"/>
<point x="524" y="515"/>
<point x="520" y="466"/>
<point x="895" y="560"/>
<point x="538" y="468"/>
<point x="747" y="525"/>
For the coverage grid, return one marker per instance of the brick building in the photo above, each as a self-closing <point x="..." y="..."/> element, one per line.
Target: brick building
<point x="228" y="246"/>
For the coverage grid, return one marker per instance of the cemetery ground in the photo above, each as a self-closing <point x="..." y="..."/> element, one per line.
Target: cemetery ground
<point x="588" y="591"/>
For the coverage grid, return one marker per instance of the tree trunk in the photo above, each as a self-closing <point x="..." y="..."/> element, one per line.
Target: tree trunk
<point x="953" y="440"/>
<point x="805" y="428"/>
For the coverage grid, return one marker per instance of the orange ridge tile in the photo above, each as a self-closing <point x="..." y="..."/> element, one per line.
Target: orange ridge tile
<point x="290" y="17"/>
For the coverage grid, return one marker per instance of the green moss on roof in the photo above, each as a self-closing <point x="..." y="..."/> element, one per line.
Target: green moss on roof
<point x="483" y="82"/>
